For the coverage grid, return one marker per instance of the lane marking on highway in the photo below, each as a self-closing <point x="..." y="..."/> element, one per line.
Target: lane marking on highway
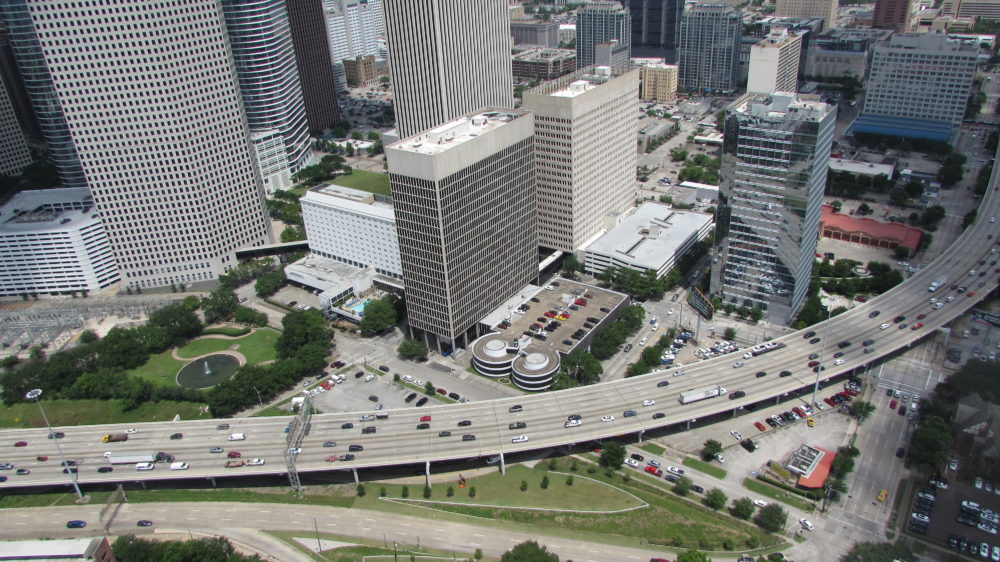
<point x="196" y="518"/>
<point x="265" y="511"/>
<point x="473" y="534"/>
<point x="437" y="538"/>
<point x="330" y="524"/>
<point x="408" y="525"/>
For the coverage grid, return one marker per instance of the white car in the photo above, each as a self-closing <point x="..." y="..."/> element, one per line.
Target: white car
<point x="806" y="524"/>
<point x="131" y="430"/>
<point x="737" y="364"/>
<point x="951" y="298"/>
<point x="648" y="402"/>
<point x="883" y="326"/>
<point x="838" y="362"/>
<point x="632" y="462"/>
<point x="145" y="466"/>
<point x="655" y="327"/>
<point x="369" y="378"/>
<point x="643" y="341"/>
<point x="520" y="439"/>
<point x="747" y="355"/>
<point x="407" y="378"/>
<point x="654" y="463"/>
<point x="937" y="305"/>
<point x="107" y="454"/>
<point x="675" y="470"/>
<point x="737" y="435"/>
<point x="255" y="462"/>
<point x="294" y="450"/>
<point x="919" y="517"/>
<point x="993" y="219"/>
<point x="572" y="423"/>
<point x="720" y="458"/>
<point x="608" y="419"/>
<point x="760" y="503"/>
<point x="953" y="465"/>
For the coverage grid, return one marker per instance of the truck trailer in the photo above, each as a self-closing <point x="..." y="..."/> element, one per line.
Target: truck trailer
<point x="135" y="458"/>
<point x="937" y="283"/>
<point x="114" y="437"/>
<point x="689" y="396"/>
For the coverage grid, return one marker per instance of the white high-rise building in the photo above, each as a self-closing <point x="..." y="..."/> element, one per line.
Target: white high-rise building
<point x="585" y="131"/>
<point x="356" y="28"/>
<point x="261" y="41"/>
<point x="826" y="9"/>
<point x="152" y="105"/>
<point x="774" y="63"/>
<point x="601" y="21"/>
<point x="448" y="58"/>
<point x="774" y="168"/>
<point x="14" y="154"/>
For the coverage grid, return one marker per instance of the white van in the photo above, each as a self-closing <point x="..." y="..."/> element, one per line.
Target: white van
<point x="178" y="466"/>
<point x="237" y="437"/>
<point x="145" y="466"/>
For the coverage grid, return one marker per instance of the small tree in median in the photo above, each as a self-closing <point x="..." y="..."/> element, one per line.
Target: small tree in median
<point x="715" y="499"/>
<point x="743" y="508"/>
<point x="772" y="518"/>
<point x="711" y="448"/>
<point x="524" y="485"/>
<point x="544" y="483"/>
<point x="429" y="388"/>
<point x="612" y="455"/>
<point x="683" y="486"/>
<point x="427" y="492"/>
<point x="729" y="334"/>
<point x="406" y="492"/>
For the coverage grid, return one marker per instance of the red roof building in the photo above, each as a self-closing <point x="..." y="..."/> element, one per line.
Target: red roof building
<point x="868" y="232"/>
<point x="818" y="470"/>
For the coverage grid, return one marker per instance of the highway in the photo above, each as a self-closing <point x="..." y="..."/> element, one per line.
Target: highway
<point x="398" y="441"/>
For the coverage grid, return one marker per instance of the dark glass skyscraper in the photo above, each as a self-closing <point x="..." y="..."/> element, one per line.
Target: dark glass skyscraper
<point x="656" y="28"/>
<point x="312" y="56"/>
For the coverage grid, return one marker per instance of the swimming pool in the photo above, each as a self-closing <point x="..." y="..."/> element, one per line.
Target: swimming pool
<point x="359" y="308"/>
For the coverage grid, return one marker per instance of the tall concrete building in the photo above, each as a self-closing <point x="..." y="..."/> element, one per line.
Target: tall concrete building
<point x="464" y="199"/>
<point x="892" y="14"/>
<point x="659" y="82"/>
<point x="918" y="86"/>
<point x="826" y="9"/>
<point x="356" y="29"/>
<point x="709" y="52"/>
<point x="312" y="57"/>
<point x="774" y="63"/>
<point x="600" y="21"/>
<point x="458" y="62"/>
<point x="585" y="131"/>
<point x="539" y="33"/>
<point x="261" y="41"/>
<point x="774" y="165"/>
<point x="14" y="153"/>
<point x="164" y="148"/>
<point x="656" y="27"/>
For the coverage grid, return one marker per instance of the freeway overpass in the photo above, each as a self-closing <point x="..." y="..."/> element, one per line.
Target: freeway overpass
<point x="397" y="440"/>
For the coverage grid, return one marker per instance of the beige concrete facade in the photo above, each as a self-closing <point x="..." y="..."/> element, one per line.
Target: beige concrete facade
<point x="659" y="83"/>
<point x="774" y="63"/>
<point x="826" y="9"/>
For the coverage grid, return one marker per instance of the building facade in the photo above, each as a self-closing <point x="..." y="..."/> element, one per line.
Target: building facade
<point x="656" y="27"/>
<point x="356" y="28"/>
<point x="353" y="227"/>
<point x="843" y="52"/>
<point x="540" y="33"/>
<point x="464" y="200"/>
<point x="826" y="9"/>
<point x="708" y="55"/>
<point x="458" y="63"/>
<point x="543" y="64"/>
<point x="600" y="21"/>
<point x="312" y="57"/>
<point x="774" y="63"/>
<point x="361" y="71"/>
<point x="774" y="167"/>
<point x="178" y="198"/>
<point x="918" y="86"/>
<point x="585" y="131"/>
<point x="892" y="14"/>
<point x="53" y="242"/>
<point x="659" y="82"/>
<point x="984" y="9"/>
<point x="14" y="153"/>
<point x="264" y="55"/>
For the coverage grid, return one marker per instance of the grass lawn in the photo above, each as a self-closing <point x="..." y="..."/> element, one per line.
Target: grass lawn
<point x="362" y="547"/>
<point x="707" y="468"/>
<point x="496" y="489"/>
<point x="272" y="411"/>
<point x="90" y="412"/>
<point x="256" y="347"/>
<point x="365" y="181"/>
<point x="161" y="369"/>
<point x="652" y="448"/>
<point x="226" y="331"/>
<point x="775" y="493"/>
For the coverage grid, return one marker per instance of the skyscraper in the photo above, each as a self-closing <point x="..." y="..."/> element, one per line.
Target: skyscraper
<point x="448" y="58"/>
<point x="163" y="146"/>
<point x="892" y="14"/>
<point x="356" y="27"/>
<point x="14" y="154"/>
<point x="600" y="21"/>
<point x="269" y="83"/>
<point x="774" y="63"/>
<point x="826" y="9"/>
<point x="312" y="57"/>
<point x="464" y="199"/>
<point x="709" y="51"/>
<point x="656" y="27"/>
<point x="585" y="131"/>
<point x="774" y="165"/>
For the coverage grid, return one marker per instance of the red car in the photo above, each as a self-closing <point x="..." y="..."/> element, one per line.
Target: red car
<point x="536" y="326"/>
<point x="829" y="402"/>
<point x="654" y="471"/>
<point x="813" y="363"/>
<point x="580" y="302"/>
<point x="921" y="316"/>
<point x="442" y="391"/>
<point x="331" y="458"/>
<point x="917" y="326"/>
<point x="233" y="455"/>
<point x="21" y="444"/>
<point x="799" y="411"/>
<point x="970" y="294"/>
<point x="326" y="385"/>
<point x="852" y="392"/>
<point x="425" y="418"/>
<point x="549" y="314"/>
<point x="759" y="426"/>
<point x="41" y="458"/>
<point x="892" y="404"/>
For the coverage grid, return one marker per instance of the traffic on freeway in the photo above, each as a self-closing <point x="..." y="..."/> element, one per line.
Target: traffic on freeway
<point x="206" y="448"/>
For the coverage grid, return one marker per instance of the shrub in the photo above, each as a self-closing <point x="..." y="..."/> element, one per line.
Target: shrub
<point x="361" y="490"/>
<point x="382" y="492"/>
<point x="406" y="492"/>
<point x="569" y="480"/>
<point x="450" y="492"/>
<point x="545" y="482"/>
<point x="427" y="492"/>
<point x="472" y="491"/>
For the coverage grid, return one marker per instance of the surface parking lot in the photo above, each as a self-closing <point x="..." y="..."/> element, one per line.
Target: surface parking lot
<point x="353" y="395"/>
<point x="946" y="509"/>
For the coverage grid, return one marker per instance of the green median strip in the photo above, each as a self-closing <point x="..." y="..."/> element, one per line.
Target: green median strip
<point x="652" y="448"/>
<point x="701" y="466"/>
<point x="778" y="494"/>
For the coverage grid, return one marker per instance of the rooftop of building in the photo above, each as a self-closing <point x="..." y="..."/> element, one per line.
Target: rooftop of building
<point x="650" y="234"/>
<point x="537" y="54"/>
<point x="350" y="199"/>
<point x="458" y="131"/>
<point x="48" y="210"/>
<point x="860" y="167"/>
<point x="583" y="80"/>
<point x="49" y="548"/>
<point x="778" y="39"/>
<point x="782" y="105"/>
<point x="929" y="42"/>
<point x="904" y="235"/>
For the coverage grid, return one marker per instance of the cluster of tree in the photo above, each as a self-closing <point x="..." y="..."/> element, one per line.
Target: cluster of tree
<point x="292" y="233"/>
<point x="612" y="455"/>
<point x="952" y="169"/>
<point x="742" y="312"/>
<point x="841" y="467"/>
<point x="983" y="178"/>
<point x="650" y="356"/>
<point x="129" y="548"/>
<point x="95" y="369"/>
<point x="302" y="349"/>
<point x="285" y="206"/>
<point x="702" y="169"/>
<point x="974" y="104"/>
<point x="412" y="349"/>
<point x="881" y="280"/>
<point x="609" y="338"/>
<point x="246" y="272"/>
<point x="879" y="552"/>
<point x="861" y="409"/>
<point x="772" y="518"/>
<point x="881" y="143"/>
<point x="269" y="283"/>
<point x="529" y="551"/>
<point x="642" y="172"/>
<point x="641" y="285"/>
<point x="678" y="155"/>
<point x="670" y="201"/>
<point x="839" y="268"/>
<point x="326" y="169"/>
<point x="813" y="311"/>
<point x="379" y="315"/>
<point x="578" y="369"/>
<point x="854" y="186"/>
<point x="670" y="133"/>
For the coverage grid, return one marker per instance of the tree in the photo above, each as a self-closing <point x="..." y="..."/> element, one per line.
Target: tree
<point x="571" y="265"/>
<point x="878" y="552"/>
<point x="772" y="518"/>
<point x="269" y="283"/>
<point x="412" y="349"/>
<point x="901" y="252"/>
<point x="249" y="317"/>
<point x="861" y="409"/>
<point x="405" y="492"/>
<point x="930" y="444"/>
<point x="128" y="548"/>
<point x="693" y="556"/>
<point x="864" y="209"/>
<point x="427" y="492"/>
<point x="711" y="448"/>
<point x="300" y="329"/>
<point x="729" y="333"/>
<point x="378" y="316"/>
<point x="743" y="508"/>
<point x="612" y="455"/>
<point x="683" y="486"/>
<point x="716" y="499"/>
<point x="544" y="484"/>
<point x="529" y="551"/>
<point x="86" y="336"/>
<point x="756" y="313"/>
<point x="524" y="485"/>
<point x="220" y="305"/>
<point x="429" y="388"/>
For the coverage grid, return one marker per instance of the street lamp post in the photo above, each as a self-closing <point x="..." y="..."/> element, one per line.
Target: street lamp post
<point x="822" y="350"/>
<point x="33" y="395"/>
